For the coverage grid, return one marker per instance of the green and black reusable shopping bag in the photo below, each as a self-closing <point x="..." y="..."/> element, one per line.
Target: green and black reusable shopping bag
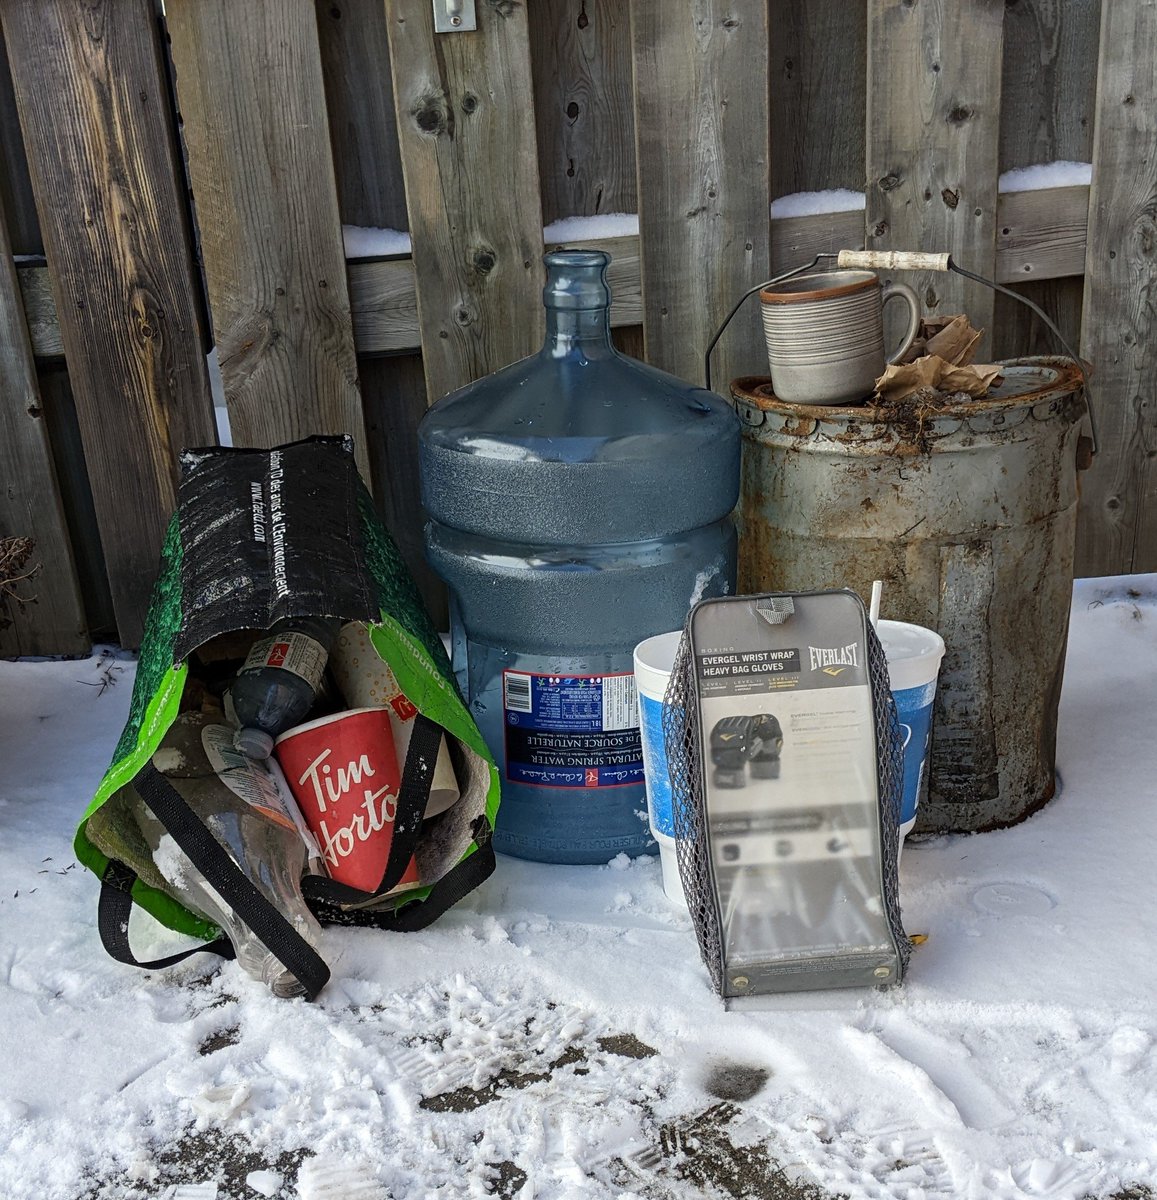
<point x="261" y="535"/>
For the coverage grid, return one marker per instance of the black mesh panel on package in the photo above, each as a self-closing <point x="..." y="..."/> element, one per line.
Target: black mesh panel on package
<point x="683" y="734"/>
<point x="890" y="780"/>
<point x="267" y="534"/>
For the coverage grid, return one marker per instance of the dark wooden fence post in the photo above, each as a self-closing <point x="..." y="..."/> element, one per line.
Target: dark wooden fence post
<point x="1047" y="99"/>
<point x="583" y="107"/>
<point x="1118" y="527"/>
<point x="95" y="113"/>
<point x="355" y="58"/>
<point x="818" y="58"/>
<point x="702" y="146"/>
<point x="29" y="499"/>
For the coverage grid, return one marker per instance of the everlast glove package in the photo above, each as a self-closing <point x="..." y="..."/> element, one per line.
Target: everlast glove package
<point x="786" y="765"/>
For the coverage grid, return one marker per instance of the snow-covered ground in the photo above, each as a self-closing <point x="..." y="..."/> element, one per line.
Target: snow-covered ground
<point x="556" y="1035"/>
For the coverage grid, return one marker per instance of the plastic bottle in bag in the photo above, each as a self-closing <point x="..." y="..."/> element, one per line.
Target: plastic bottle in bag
<point x="277" y="685"/>
<point x="253" y="816"/>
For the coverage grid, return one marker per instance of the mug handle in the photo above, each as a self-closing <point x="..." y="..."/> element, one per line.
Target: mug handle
<point x="902" y="290"/>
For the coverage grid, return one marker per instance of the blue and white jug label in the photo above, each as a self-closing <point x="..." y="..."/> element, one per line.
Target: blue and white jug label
<point x="914" y="708"/>
<point x="577" y="731"/>
<point x="655" y="763"/>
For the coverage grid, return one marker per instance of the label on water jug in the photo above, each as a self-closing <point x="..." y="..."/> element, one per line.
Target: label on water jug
<point x="577" y="731"/>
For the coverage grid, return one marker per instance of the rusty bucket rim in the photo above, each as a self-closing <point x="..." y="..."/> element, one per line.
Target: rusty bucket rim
<point x="755" y="390"/>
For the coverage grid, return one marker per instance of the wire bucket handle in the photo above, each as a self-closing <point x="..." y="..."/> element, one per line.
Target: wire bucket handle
<point x="908" y="260"/>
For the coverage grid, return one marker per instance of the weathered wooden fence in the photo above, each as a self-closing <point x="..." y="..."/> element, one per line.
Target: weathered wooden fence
<point x="172" y="182"/>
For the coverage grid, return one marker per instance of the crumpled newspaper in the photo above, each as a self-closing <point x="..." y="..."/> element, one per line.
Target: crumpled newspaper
<point x="940" y="358"/>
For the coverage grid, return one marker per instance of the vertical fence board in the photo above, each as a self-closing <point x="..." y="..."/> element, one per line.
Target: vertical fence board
<point x="1048" y="81"/>
<point x="581" y="60"/>
<point x="818" y="59"/>
<point x="93" y="103"/>
<point x="252" y="96"/>
<point x="395" y="397"/>
<point x="932" y="141"/>
<point x="1018" y="331"/>
<point x="1048" y="90"/>
<point x="701" y="127"/>
<point x="53" y="621"/>
<point x="466" y="125"/>
<point x="1118" y="527"/>
<point x="355" y="59"/>
<point x="72" y="478"/>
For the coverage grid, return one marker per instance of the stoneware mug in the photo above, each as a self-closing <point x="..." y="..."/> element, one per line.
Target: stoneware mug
<point x="825" y="335"/>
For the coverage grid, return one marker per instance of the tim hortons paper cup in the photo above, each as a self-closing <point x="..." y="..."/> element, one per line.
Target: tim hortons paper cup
<point x="367" y="682"/>
<point x="914" y="654"/>
<point x="654" y="659"/>
<point x="343" y="773"/>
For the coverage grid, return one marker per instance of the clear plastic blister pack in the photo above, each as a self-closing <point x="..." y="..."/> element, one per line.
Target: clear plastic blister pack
<point x="786" y="768"/>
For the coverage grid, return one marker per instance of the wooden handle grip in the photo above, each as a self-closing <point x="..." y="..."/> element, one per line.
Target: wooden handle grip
<point x="893" y="260"/>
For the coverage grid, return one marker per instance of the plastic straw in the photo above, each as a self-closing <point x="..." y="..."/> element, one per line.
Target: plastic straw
<point x="874" y="606"/>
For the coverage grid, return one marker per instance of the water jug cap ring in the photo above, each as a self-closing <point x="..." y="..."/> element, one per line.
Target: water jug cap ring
<point x="576" y="279"/>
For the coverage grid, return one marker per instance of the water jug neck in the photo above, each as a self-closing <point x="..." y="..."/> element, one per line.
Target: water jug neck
<point x="578" y="304"/>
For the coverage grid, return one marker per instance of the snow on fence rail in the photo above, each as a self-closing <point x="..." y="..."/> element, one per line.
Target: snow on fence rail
<point x="188" y="181"/>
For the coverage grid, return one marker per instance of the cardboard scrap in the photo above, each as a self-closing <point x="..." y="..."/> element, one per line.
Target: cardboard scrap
<point x="940" y="358"/>
<point x="955" y="341"/>
<point x="902" y="379"/>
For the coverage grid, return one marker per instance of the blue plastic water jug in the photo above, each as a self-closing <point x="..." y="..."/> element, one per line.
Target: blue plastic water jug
<point x="579" y="501"/>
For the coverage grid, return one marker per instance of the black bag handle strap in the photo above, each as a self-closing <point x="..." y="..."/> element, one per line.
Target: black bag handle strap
<point x="271" y="927"/>
<point x="408" y="918"/>
<point x="413" y="796"/>
<point x="454" y="886"/>
<point x="112" y="918"/>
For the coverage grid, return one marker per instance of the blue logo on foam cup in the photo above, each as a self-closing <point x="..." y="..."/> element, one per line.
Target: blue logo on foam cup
<point x="914" y="708"/>
<point x="655" y="766"/>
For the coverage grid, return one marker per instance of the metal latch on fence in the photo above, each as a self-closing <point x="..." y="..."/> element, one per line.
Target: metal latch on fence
<point x="454" y="16"/>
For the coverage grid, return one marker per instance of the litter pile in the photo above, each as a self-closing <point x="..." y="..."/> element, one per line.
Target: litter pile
<point x="937" y="369"/>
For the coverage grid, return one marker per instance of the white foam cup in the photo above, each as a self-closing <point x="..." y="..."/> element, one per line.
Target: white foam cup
<point x="914" y="654"/>
<point x="654" y="659"/>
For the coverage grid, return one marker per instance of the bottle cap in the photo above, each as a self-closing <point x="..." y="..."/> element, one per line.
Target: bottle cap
<point x="253" y="742"/>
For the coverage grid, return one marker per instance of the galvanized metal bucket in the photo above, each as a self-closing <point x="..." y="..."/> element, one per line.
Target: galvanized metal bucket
<point x="968" y="515"/>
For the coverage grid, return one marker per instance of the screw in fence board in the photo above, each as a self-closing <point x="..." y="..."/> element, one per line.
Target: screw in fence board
<point x="30" y="506"/>
<point x="1117" y="529"/>
<point x="94" y="112"/>
<point x="580" y="53"/>
<point x="465" y="106"/>
<point x="933" y="127"/>
<point x="252" y="99"/>
<point x="701" y="130"/>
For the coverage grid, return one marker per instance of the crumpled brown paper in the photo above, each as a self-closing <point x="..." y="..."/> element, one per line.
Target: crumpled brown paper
<point x="940" y="358"/>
